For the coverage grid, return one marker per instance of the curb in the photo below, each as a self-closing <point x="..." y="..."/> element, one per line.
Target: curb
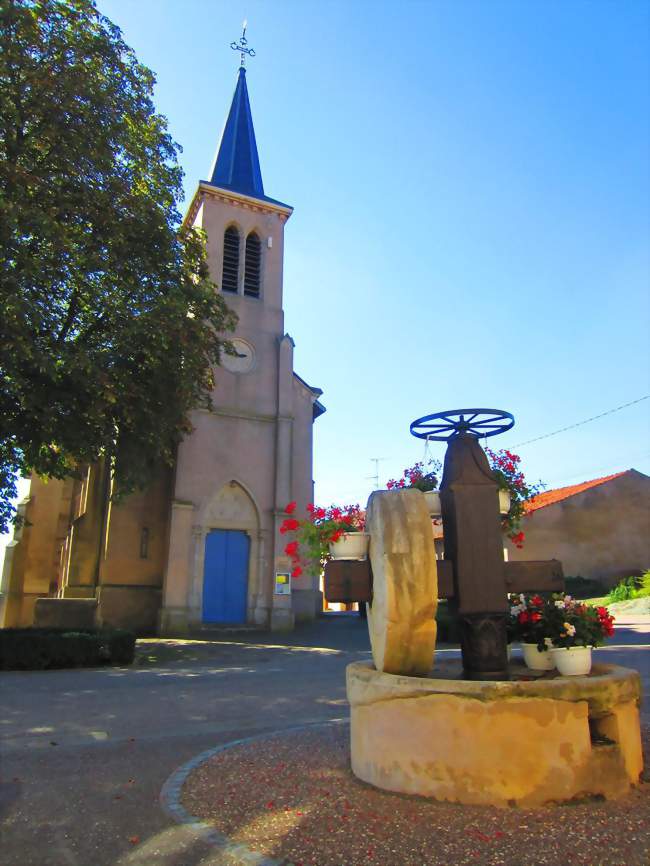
<point x="170" y="798"/>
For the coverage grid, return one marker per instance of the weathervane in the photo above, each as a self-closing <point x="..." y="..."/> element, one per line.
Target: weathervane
<point x="241" y="46"/>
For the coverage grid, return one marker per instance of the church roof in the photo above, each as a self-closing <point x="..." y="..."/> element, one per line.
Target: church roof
<point x="319" y="409"/>
<point x="237" y="166"/>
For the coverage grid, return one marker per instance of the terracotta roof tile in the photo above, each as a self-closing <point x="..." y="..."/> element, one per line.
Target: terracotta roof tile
<point x="550" y="497"/>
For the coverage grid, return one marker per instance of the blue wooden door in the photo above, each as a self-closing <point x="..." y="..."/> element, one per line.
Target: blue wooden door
<point x="225" y="576"/>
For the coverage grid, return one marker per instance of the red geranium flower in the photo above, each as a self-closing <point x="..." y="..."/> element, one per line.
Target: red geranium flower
<point x="291" y="507"/>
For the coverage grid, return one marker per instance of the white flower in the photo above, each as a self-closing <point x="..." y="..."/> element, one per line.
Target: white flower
<point x="559" y="604"/>
<point x="569" y="629"/>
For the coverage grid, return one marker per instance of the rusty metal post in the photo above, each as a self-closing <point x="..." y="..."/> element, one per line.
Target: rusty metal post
<point x="470" y="516"/>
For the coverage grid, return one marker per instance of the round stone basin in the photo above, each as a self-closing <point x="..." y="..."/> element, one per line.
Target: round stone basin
<point x="528" y="741"/>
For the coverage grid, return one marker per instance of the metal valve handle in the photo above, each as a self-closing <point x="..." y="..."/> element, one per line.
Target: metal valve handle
<point x="443" y="426"/>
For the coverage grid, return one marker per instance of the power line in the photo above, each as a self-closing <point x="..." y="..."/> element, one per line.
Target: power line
<point x="580" y="423"/>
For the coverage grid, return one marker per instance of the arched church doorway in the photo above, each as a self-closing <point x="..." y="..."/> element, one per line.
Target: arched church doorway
<point x="225" y="576"/>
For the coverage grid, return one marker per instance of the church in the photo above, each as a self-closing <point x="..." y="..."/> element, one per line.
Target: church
<point x="200" y="547"/>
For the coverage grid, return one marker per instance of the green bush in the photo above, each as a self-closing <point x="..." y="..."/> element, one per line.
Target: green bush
<point x="644" y="590"/>
<point x="626" y="590"/>
<point x="631" y="588"/>
<point x="43" y="648"/>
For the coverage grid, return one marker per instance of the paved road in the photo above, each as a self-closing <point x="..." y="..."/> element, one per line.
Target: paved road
<point x="86" y="752"/>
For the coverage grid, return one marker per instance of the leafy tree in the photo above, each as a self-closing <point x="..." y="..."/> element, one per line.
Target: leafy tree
<point x="110" y="323"/>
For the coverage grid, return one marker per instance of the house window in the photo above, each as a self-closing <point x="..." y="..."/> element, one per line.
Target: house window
<point x="230" y="260"/>
<point x="252" y="266"/>
<point x="144" y="543"/>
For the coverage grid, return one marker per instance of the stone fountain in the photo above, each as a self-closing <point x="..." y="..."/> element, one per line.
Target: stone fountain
<point x="484" y="731"/>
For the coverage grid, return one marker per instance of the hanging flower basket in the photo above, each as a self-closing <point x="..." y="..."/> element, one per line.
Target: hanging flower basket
<point x="351" y="545"/>
<point x="315" y="538"/>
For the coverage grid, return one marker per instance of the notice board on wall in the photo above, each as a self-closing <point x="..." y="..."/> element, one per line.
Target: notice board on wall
<point x="282" y="583"/>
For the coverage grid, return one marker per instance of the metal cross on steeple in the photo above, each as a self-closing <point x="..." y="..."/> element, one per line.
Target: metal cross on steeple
<point x="241" y="46"/>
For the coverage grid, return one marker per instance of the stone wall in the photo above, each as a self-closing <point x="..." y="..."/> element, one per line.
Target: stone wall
<point x="602" y="533"/>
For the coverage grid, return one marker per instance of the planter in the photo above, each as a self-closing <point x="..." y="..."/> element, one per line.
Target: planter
<point x="536" y="660"/>
<point x="432" y="498"/>
<point x="351" y="545"/>
<point x="572" y="661"/>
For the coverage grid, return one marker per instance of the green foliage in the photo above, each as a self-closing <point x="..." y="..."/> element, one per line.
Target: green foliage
<point x="644" y="589"/>
<point x="630" y="588"/>
<point x="110" y="326"/>
<point x="41" y="648"/>
<point x="624" y="590"/>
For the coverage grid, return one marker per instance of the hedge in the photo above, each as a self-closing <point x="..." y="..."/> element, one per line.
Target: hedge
<point x="43" y="648"/>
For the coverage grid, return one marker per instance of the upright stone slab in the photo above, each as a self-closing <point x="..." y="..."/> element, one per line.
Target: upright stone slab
<point x="401" y="617"/>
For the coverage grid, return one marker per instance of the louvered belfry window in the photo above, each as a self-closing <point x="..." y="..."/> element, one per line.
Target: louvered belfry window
<point x="252" y="266"/>
<point x="230" y="260"/>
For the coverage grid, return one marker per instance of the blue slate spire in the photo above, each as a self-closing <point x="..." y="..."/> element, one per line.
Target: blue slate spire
<point x="237" y="165"/>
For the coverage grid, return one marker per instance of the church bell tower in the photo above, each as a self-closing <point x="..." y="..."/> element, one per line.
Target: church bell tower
<point x="252" y="453"/>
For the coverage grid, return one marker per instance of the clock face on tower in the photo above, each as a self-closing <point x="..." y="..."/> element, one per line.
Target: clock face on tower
<point x="243" y="360"/>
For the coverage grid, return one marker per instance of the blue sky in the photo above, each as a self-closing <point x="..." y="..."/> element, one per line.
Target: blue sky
<point x="472" y="210"/>
<point x="471" y="191"/>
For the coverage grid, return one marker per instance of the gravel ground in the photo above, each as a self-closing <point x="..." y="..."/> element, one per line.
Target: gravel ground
<point x="293" y="797"/>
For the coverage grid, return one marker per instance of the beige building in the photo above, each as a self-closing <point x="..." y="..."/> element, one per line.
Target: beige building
<point x="201" y="546"/>
<point x="599" y="529"/>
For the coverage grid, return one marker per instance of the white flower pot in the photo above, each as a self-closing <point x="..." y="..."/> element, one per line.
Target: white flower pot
<point x="572" y="661"/>
<point x="536" y="660"/>
<point x="432" y="499"/>
<point x="504" y="501"/>
<point x="351" y="545"/>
